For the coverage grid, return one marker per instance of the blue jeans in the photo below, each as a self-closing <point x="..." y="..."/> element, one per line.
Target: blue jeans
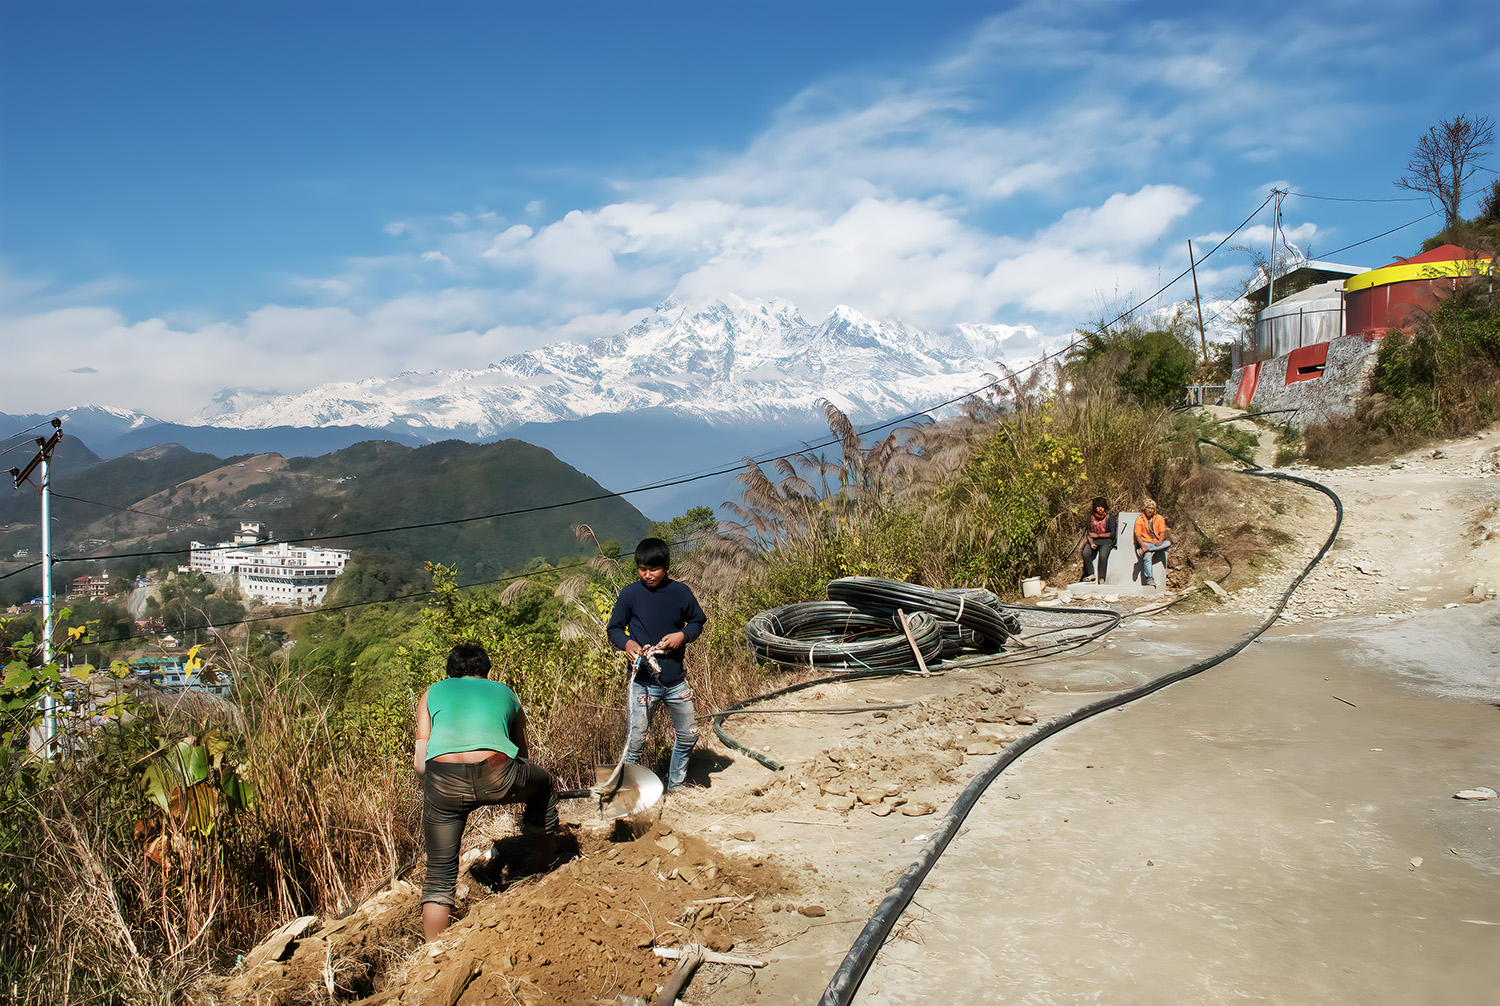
<point x="1147" y="551"/>
<point x="643" y="697"/>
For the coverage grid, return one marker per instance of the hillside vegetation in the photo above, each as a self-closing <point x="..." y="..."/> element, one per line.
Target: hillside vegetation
<point x="185" y="836"/>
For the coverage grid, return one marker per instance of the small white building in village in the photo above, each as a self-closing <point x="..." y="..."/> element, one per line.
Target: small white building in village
<point x="273" y="572"/>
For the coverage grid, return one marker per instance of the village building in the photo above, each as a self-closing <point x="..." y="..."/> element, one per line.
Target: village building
<point x="94" y="587"/>
<point x="1315" y="344"/>
<point x="272" y="572"/>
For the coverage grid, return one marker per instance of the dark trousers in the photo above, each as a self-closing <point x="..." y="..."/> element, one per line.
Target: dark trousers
<point x="451" y="791"/>
<point x="1100" y="549"/>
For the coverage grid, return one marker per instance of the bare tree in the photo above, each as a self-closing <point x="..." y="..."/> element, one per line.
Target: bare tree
<point x="1445" y="158"/>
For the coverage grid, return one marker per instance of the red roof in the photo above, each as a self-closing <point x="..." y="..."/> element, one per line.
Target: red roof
<point x="1442" y="253"/>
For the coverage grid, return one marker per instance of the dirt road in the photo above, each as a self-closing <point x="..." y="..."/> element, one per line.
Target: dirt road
<point x="1280" y="829"/>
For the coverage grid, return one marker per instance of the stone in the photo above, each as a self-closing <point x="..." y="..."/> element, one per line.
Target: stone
<point x="743" y="836"/>
<point x="982" y="748"/>
<point x="918" y="809"/>
<point x="1477" y="793"/>
<point x="882" y="809"/>
<point x="833" y="802"/>
<point x="813" y="911"/>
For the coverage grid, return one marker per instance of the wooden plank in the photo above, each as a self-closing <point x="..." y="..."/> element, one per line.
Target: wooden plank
<point x="673" y="953"/>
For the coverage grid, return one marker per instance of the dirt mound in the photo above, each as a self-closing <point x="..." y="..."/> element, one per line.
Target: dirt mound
<point x="581" y="933"/>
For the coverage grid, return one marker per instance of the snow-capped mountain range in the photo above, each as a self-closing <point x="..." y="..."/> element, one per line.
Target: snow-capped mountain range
<point x="727" y="361"/>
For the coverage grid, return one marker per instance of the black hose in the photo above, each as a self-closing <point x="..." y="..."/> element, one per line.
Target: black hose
<point x="861" y="956"/>
<point x="969" y="609"/>
<point x="739" y="707"/>
<point x="1106" y="623"/>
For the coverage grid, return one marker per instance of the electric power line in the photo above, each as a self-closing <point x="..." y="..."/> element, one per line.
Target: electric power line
<point x="738" y="466"/>
<point x="1351" y="199"/>
<point x="44" y="422"/>
<point x="15" y="447"/>
<point x="337" y="607"/>
<point x="1162" y="289"/>
<point x="143" y="513"/>
<point x="1382" y="234"/>
<point x="18" y="572"/>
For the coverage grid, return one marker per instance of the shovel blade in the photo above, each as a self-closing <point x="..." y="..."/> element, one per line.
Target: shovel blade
<point x="627" y="789"/>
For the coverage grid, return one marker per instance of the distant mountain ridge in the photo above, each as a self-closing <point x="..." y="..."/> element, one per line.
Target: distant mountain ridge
<point x="728" y="361"/>
<point x="692" y="387"/>
<point x="163" y="497"/>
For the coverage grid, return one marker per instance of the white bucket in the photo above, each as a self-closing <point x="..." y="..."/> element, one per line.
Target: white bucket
<point x="1031" y="587"/>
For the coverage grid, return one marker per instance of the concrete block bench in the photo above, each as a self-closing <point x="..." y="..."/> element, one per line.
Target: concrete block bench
<point x="1122" y="572"/>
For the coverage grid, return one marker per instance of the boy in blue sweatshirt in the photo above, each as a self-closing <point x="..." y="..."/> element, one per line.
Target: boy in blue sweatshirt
<point x="653" y="620"/>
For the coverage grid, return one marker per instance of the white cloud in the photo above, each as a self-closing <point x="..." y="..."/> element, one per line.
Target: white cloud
<point x="1053" y="160"/>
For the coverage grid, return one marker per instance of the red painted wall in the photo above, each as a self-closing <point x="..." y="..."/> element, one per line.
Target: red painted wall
<point x="1306" y="358"/>
<point x="1381" y="308"/>
<point x="1246" y="391"/>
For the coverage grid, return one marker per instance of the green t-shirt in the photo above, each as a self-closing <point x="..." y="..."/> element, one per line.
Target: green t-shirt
<point x="471" y="714"/>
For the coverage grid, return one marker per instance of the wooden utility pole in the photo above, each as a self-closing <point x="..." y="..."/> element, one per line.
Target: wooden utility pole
<point x="1202" y="338"/>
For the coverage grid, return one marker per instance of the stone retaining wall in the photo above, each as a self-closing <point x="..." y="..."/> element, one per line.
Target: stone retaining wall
<point x="1331" y="395"/>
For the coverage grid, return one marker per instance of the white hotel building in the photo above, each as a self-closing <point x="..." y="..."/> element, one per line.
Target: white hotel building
<point x="275" y="573"/>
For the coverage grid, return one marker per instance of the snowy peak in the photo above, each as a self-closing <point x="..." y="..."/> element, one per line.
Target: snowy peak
<point x="727" y="360"/>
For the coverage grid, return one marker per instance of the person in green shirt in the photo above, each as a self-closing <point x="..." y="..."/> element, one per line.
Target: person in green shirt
<point x="470" y="752"/>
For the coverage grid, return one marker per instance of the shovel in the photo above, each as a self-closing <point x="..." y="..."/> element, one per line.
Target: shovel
<point x="625" y="790"/>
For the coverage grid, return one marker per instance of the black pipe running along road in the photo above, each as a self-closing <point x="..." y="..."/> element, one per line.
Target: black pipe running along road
<point x="861" y="956"/>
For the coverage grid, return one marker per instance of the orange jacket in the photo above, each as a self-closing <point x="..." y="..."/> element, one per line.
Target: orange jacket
<point x="1151" y="532"/>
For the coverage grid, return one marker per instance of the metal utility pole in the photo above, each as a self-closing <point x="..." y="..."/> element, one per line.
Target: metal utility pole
<point x="1275" y="236"/>
<point x="43" y="460"/>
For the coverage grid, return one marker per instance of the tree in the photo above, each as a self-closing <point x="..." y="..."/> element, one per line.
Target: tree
<point x="684" y="533"/>
<point x="1151" y="368"/>
<point x="1445" y="158"/>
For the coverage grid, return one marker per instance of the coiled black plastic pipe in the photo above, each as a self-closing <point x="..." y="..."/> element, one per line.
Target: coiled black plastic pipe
<point x="832" y="634"/>
<point x="856" y="964"/>
<point x="1105" y="623"/>
<point x="875" y="594"/>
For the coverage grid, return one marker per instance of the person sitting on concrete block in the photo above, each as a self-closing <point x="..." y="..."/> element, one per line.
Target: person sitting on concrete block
<point x="1151" y="542"/>
<point x="1098" y="538"/>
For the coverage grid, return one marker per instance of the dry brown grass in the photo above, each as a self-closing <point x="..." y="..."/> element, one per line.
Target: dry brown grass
<point x="112" y="901"/>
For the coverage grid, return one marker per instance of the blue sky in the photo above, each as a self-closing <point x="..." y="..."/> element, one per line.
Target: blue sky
<point x="274" y="195"/>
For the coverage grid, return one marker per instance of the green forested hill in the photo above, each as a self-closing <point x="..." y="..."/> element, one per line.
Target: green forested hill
<point x="387" y="485"/>
<point x="370" y="486"/>
<point x="121" y="481"/>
